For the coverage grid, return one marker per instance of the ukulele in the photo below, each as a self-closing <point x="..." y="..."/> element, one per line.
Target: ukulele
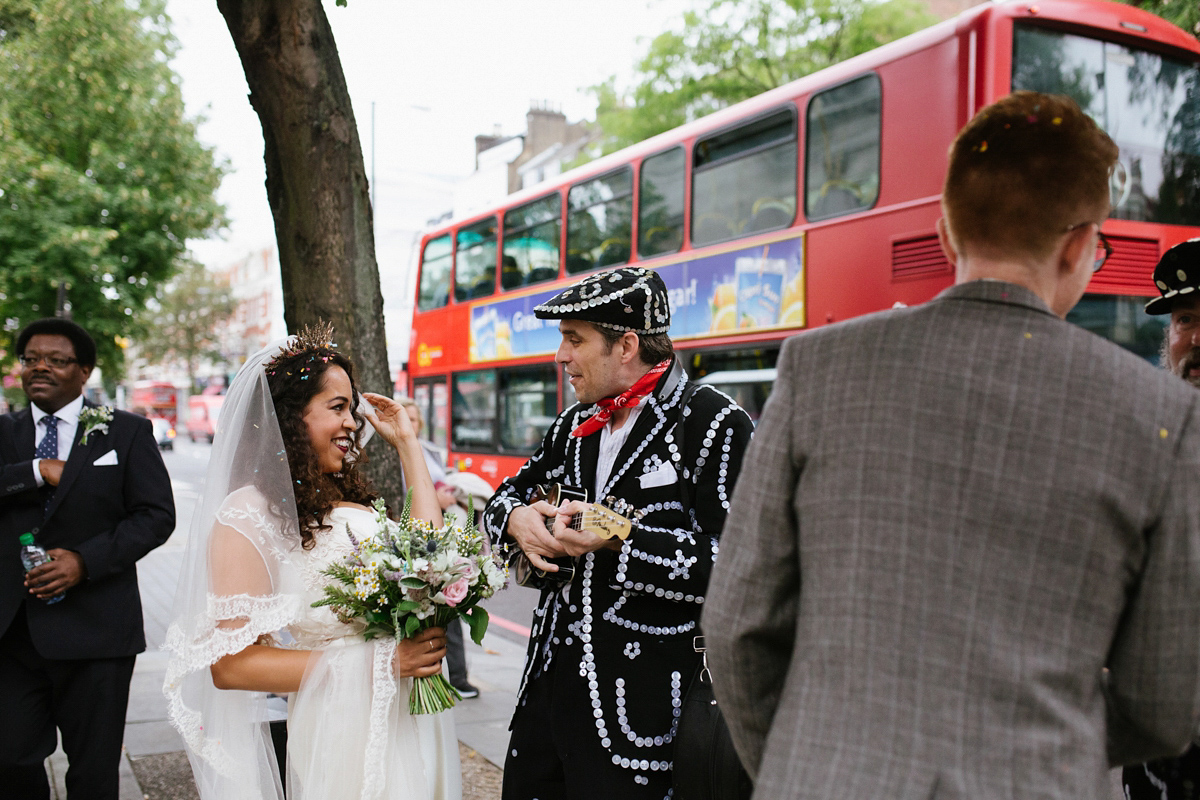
<point x="597" y="519"/>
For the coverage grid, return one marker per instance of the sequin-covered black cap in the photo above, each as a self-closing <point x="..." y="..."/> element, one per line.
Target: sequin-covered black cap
<point x="625" y="299"/>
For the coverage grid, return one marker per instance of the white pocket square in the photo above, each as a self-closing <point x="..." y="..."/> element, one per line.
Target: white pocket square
<point x="109" y="459"/>
<point x="663" y="476"/>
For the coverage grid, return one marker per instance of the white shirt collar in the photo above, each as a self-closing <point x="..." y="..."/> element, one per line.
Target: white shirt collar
<point x="68" y="413"/>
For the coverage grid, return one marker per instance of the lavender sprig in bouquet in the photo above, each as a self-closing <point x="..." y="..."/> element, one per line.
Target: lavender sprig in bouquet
<point x="412" y="575"/>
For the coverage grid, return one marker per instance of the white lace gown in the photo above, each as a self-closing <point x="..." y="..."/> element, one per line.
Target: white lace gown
<point x="349" y="731"/>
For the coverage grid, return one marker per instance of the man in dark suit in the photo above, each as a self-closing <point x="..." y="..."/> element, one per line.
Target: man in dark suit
<point x="963" y="558"/>
<point x="612" y="653"/>
<point x="90" y="484"/>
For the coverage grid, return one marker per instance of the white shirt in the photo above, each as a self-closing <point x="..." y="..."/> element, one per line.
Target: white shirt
<point x="611" y="443"/>
<point x="68" y="421"/>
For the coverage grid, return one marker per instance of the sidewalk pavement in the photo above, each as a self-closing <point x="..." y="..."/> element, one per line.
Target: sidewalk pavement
<point x="482" y="722"/>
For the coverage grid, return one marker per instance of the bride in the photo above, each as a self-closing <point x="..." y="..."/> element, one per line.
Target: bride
<point x="283" y="496"/>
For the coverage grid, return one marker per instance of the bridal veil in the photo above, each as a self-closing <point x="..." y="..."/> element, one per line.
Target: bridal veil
<point x="226" y="601"/>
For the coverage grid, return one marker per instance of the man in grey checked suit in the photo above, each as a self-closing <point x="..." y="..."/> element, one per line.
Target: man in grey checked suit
<point x="954" y="517"/>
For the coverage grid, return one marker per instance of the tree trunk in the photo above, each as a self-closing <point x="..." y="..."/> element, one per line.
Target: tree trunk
<point x="317" y="188"/>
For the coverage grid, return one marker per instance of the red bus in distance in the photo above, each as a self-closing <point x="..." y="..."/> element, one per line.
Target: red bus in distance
<point x="156" y="398"/>
<point x="811" y="203"/>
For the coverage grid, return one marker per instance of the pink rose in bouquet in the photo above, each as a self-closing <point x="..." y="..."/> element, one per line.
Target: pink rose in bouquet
<point x="455" y="592"/>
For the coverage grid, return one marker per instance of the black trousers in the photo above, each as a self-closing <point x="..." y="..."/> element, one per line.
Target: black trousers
<point x="1165" y="779"/>
<point x="456" y="655"/>
<point x="555" y="754"/>
<point x="85" y="700"/>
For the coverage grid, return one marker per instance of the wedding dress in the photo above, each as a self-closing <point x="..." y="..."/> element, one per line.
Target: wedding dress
<point x="349" y="708"/>
<point x="247" y="580"/>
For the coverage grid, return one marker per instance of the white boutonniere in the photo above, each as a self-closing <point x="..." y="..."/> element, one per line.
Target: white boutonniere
<point x="94" y="419"/>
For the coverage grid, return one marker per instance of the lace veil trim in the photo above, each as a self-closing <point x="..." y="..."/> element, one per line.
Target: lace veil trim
<point x="211" y="723"/>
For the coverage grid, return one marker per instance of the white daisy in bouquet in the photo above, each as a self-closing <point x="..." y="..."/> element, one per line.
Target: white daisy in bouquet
<point x="410" y="576"/>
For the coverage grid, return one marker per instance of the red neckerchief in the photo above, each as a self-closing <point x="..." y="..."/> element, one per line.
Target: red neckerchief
<point x="625" y="399"/>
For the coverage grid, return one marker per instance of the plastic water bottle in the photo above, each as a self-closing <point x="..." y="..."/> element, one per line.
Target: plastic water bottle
<point x="32" y="555"/>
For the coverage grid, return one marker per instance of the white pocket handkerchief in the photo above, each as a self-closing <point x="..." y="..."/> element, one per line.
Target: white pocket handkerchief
<point x="663" y="476"/>
<point x="109" y="459"/>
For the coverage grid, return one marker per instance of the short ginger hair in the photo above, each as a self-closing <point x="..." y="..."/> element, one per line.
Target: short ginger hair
<point x="1022" y="172"/>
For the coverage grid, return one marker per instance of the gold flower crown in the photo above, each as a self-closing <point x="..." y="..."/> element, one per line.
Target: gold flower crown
<point x="311" y="339"/>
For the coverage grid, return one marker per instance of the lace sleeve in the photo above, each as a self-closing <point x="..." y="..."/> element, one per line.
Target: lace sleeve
<point x="249" y="592"/>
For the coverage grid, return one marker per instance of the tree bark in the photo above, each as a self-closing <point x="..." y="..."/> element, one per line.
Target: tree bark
<point x="317" y="188"/>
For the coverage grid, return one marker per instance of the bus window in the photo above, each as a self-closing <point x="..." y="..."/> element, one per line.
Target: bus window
<point x="1149" y="104"/>
<point x="527" y="406"/>
<point x="841" y="157"/>
<point x="600" y="222"/>
<point x="531" y="236"/>
<point x="745" y="375"/>
<point x="434" y="291"/>
<point x="430" y="397"/>
<point x="744" y="180"/>
<point x="475" y="261"/>
<point x="1122" y="320"/>
<point x="660" y="204"/>
<point x="473" y="412"/>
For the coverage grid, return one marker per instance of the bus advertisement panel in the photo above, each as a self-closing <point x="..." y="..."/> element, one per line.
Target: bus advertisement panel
<point x="742" y="289"/>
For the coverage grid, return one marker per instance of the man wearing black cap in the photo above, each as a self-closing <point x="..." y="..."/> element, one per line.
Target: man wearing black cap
<point x="1177" y="277"/>
<point x="611" y="652"/>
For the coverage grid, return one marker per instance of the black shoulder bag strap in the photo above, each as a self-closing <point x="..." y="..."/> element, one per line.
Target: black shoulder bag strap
<point x="706" y="765"/>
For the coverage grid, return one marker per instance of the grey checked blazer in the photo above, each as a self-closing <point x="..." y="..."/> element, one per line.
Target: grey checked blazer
<point x="951" y="520"/>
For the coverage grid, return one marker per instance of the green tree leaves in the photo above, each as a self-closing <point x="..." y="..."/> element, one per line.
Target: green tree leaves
<point x="735" y="49"/>
<point x="1184" y="13"/>
<point x="186" y="317"/>
<point x="102" y="179"/>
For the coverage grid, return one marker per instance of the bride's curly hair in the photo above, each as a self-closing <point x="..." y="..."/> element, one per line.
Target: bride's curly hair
<point x="295" y="377"/>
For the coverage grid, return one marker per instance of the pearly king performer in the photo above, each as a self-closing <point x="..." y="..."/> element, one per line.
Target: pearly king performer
<point x="611" y="651"/>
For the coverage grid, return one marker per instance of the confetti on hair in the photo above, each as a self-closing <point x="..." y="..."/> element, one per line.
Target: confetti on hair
<point x="983" y="146"/>
<point x="316" y="337"/>
<point x="1056" y="121"/>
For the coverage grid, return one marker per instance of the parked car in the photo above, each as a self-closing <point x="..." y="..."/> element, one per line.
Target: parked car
<point x="164" y="433"/>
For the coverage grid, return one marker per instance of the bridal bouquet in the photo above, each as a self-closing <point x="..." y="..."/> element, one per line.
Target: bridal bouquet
<point x="412" y="575"/>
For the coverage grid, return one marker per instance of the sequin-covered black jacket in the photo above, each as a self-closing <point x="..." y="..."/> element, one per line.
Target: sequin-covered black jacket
<point x="624" y="628"/>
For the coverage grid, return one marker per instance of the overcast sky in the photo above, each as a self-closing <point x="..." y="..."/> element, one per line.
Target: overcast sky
<point x="438" y="73"/>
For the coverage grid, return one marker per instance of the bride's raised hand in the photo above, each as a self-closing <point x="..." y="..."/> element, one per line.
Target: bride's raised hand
<point x="390" y="419"/>
<point x="420" y="656"/>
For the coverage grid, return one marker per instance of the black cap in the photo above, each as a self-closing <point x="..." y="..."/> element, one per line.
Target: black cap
<point x="1177" y="274"/>
<point x="625" y="299"/>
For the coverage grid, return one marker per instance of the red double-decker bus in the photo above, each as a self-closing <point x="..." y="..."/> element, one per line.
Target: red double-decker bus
<point x="156" y="399"/>
<point x="809" y="204"/>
